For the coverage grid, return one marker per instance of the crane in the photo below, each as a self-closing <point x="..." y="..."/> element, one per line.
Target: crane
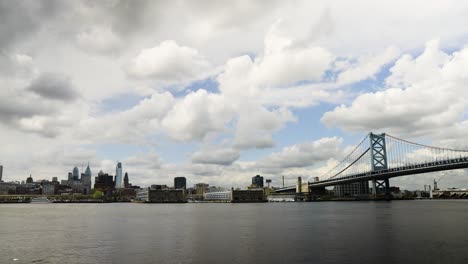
<point x="438" y="180"/>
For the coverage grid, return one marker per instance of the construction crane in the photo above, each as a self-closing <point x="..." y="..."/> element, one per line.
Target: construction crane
<point x="438" y="180"/>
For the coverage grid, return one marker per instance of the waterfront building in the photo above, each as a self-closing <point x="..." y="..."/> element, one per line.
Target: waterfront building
<point x="166" y="196"/>
<point x="7" y="188"/>
<point x="218" y="196"/>
<point x="201" y="188"/>
<point x="159" y="187"/>
<point x="125" y="194"/>
<point x="142" y="195"/>
<point x="1" y="172"/>
<point x="118" y="175"/>
<point x="76" y="174"/>
<point x="257" y="181"/>
<point x="248" y="196"/>
<point x="352" y="189"/>
<point x="49" y="188"/>
<point x="180" y="183"/>
<point x="28" y="188"/>
<point x="161" y="196"/>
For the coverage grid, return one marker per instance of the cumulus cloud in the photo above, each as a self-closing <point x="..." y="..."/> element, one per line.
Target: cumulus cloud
<point x="150" y="161"/>
<point x="196" y="115"/>
<point x="302" y="155"/>
<point x="423" y="96"/>
<point x="366" y="67"/>
<point x="216" y="156"/>
<point x="256" y="124"/>
<point x="169" y="62"/>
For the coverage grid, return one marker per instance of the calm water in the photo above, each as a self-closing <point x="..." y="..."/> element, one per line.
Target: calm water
<point x="328" y="232"/>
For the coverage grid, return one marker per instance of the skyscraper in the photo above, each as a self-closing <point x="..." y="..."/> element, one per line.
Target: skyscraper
<point x="76" y="174"/>
<point x="118" y="175"/>
<point x="180" y="183"/>
<point x="86" y="180"/>
<point x="126" y="183"/>
<point x="1" y="172"/>
<point x="257" y="181"/>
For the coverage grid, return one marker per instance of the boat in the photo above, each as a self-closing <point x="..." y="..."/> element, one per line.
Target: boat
<point x="40" y="200"/>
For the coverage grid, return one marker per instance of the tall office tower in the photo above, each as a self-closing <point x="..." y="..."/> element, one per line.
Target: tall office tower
<point x="180" y="183"/>
<point x="257" y="181"/>
<point x="76" y="174"/>
<point x="126" y="183"/>
<point x="86" y="180"/>
<point x="118" y="175"/>
<point x="1" y="172"/>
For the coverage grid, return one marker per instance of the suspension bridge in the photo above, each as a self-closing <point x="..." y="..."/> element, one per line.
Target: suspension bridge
<point x="379" y="157"/>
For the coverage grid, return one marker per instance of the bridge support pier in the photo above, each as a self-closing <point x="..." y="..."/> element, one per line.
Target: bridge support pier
<point x="381" y="184"/>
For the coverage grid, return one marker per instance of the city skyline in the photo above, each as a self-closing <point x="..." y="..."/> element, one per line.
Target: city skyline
<point x="218" y="95"/>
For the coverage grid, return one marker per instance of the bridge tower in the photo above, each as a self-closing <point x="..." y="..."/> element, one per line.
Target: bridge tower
<point x="379" y="162"/>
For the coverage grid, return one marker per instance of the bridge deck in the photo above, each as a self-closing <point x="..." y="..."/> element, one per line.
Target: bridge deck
<point x="451" y="164"/>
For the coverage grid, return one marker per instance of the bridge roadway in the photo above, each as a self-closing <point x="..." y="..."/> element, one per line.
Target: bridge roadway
<point x="450" y="164"/>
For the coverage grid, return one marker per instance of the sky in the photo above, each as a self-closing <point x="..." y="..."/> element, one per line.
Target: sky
<point x="219" y="91"/>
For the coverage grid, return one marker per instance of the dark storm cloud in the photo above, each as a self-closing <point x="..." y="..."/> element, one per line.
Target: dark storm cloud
<point x="54" y="86"/>
<point x="19" y="20"/>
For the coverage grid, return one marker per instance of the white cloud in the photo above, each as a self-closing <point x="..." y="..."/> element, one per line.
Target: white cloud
<point x="256" y="124"/>
<point x="215" y="156"/>
<point x="302" y="155"/>
<point x="169" y="62"/>
<point x="427" y="94"/>
<point x="196" y="115"/>
<point x="366" y="67"/>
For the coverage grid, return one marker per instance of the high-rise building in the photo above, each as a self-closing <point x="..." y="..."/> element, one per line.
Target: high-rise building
<point x="1" y="172"/>
<point x="104" y="182"/>
<point x="126" y="183"/>
<point x="76" y="174"/>
<point x="257" y="181"/>
<point x="86" y="180"/>
<point x="180" y="183"/>
<point x="118" y="175"/>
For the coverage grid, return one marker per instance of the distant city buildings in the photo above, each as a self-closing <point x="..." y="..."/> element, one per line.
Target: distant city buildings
<point x="1" y="172"/>
<point x="180" y="183"/>
<point x="257" y="181"/>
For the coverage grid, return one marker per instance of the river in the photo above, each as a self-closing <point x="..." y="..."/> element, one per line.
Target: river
<point x="317" y="232"/>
